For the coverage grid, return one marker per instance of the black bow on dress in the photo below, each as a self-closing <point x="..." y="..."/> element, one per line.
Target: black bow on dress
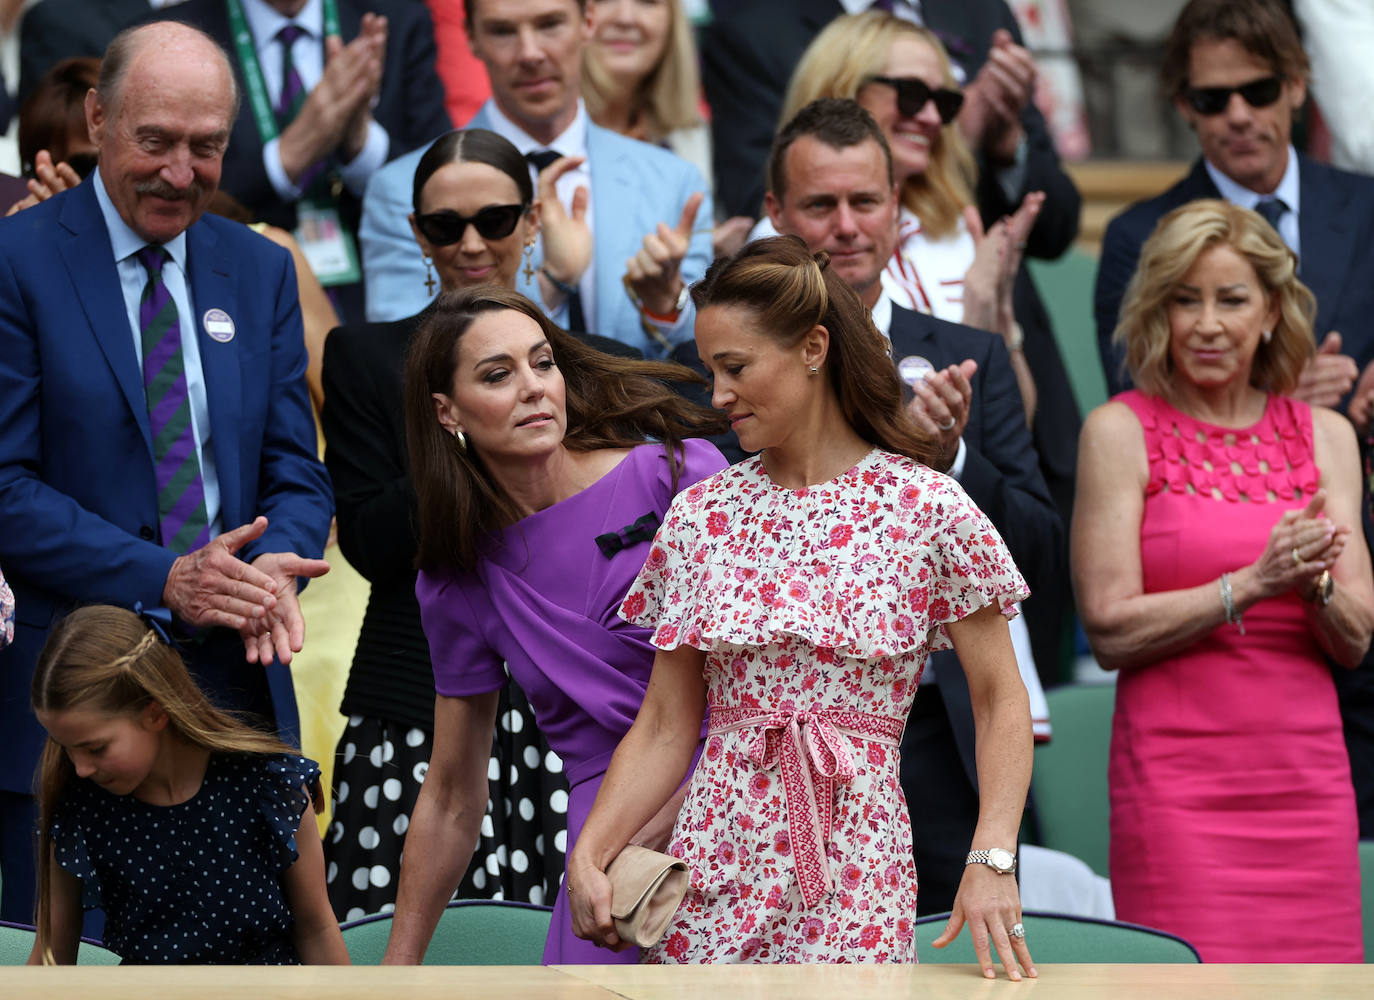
<point x="641" y="531"/>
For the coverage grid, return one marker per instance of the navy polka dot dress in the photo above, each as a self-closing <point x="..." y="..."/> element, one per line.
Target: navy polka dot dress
<point x="194" y="883"/>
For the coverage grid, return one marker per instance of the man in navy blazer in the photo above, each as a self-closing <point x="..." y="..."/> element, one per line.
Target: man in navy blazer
<point x="642" y="220"/>
<point x="80" y="520"/>
<point x="1237" y="73"/>
<point x="831" y="184"/>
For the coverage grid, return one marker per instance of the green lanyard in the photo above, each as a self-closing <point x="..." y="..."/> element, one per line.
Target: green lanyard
<point x="252" y="69"/>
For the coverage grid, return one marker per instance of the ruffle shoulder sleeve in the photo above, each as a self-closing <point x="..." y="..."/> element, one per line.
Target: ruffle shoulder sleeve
<point x="69" y="831"/>
<point x="876" y="566"/>
<point x="283" y="795"/>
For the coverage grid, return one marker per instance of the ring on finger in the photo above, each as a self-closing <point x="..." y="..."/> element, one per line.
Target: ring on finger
<point x="1018" y="931"/>
<point x="948" y="425"/>
<point x="1297" y="556"/>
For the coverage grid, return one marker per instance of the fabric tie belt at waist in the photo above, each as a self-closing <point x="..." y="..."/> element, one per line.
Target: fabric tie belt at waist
<point x="809" y="748"/>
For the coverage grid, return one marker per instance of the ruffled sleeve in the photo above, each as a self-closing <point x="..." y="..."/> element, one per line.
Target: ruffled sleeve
<point x="70" y="848"/>
<point x="283" y="794"/>
<point x="964" y="566"/>
<point x="876" y="565"/>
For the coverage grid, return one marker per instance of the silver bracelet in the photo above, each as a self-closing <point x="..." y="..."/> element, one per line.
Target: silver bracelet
<point x="1232" y="615"/>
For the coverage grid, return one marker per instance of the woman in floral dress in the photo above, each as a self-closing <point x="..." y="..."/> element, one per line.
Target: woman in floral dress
<point x="796" y="596"/>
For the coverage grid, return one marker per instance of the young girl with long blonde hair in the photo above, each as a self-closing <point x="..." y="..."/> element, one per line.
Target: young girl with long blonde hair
<point x="187" y="827"/>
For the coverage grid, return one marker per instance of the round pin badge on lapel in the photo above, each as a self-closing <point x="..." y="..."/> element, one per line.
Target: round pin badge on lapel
<point x="219" y="325"/>
<point x="913" y="368"/>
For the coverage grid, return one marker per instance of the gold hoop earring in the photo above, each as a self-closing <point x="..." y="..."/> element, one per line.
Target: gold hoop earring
<point x="461" y="440"/>
<point x="429" y="278"/>
<point x="529" y="265"/>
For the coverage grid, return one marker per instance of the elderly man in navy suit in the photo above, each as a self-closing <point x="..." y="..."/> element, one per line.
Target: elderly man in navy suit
<point x="1237" y="73"/>
<point x="830" y="183"/>
<point x="157" y="448"/>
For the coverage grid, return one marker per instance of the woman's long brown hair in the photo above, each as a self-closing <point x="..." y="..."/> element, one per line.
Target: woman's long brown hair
<point x="611" y="403"/>
<point x="792" y="290"/>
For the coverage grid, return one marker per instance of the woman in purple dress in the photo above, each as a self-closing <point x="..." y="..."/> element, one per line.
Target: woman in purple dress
<point x="539" y="492"/>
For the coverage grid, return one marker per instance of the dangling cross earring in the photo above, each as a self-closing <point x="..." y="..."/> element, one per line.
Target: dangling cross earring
<point x="429" y="278"/>
<point x="529" y="266"/>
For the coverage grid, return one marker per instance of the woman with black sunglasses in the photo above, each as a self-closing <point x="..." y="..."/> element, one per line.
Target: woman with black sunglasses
<point x="475" y="217"/>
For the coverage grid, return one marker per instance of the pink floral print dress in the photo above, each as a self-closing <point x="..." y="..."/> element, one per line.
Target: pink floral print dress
<point x="816" y="609"/>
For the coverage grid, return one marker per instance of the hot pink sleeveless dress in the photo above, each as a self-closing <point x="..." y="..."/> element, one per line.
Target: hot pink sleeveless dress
<point x="1232" y="813"/>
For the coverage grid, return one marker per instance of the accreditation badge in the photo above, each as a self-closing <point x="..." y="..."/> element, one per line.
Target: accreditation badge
<point x="327" y="245"/>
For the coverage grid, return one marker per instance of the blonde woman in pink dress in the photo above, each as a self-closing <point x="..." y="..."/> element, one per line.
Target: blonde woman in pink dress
<point x="1219" y="561"/>
<point x="795" y="596"/>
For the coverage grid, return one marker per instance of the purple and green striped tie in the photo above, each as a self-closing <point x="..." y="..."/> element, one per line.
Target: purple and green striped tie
<point x="293" y="96"/>
<point x="292" y="89"/>
<point x="180" y="489"/>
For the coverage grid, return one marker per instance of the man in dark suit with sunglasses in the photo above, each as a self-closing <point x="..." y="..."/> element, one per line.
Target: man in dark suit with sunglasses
<point x="1237" y="73"/>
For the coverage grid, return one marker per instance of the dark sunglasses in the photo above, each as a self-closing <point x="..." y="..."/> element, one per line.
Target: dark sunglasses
<point x="495" y="222"/>
<point x="912" y="95"/>
<point x="1213" y="100"/>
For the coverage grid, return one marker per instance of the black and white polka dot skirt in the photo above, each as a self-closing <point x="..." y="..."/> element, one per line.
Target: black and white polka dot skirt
<point x="377" y="776"/>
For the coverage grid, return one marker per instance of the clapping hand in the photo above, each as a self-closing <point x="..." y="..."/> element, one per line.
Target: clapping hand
<point x="993" y="102"/>
<point x="939" y="406"/>
<point x="653" y="273"/>
<point x="566" y="235"/>
<point x="281" y="631"/>
<point x="337" y="110"/>
<point x="1328" y="375"/>
<point x="48" y="179"/>
<point x="1301" y="546"/>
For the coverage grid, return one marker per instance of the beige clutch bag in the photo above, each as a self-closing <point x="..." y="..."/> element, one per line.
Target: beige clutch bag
<point x="646" y="889"/>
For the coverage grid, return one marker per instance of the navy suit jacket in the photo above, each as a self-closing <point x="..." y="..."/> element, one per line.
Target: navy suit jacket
<point x="410" y="105"/>
<point x="78" y="498"/>
<point x="1001" y="475"/>
<point x="1335" y="232"/>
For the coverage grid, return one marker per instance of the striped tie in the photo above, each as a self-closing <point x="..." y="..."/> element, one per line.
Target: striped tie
<point x="180" y="490"/>
<point x="293" y="96"/>
<point x="292" y="89"/>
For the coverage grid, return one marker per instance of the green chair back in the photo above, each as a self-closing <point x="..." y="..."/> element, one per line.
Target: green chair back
<point x="16" y="942"/>
<point x="1056" y="938"/>
<point x="1367" y="895"/>
<point x="470" y="932"/>
<point x="1066" y="287"/>
<point x="1070" y="776"/>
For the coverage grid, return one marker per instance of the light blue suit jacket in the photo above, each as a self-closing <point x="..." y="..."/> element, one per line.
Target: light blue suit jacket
<point x="635" y="186"/>
<point x="78" y="494"/>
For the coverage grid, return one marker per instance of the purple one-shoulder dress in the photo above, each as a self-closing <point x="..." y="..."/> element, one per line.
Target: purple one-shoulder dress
<point x="544" y="602"/>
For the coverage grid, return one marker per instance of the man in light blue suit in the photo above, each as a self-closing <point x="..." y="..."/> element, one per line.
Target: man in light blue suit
<point x="642" y="212"/>
<point x="157" y="448"/>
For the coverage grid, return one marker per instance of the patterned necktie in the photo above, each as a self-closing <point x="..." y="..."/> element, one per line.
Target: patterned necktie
<point x="577" y="323"/>
<point x="292" y="97"/>
<point x="292" y="89"/>
<point x="180" y="489"/>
